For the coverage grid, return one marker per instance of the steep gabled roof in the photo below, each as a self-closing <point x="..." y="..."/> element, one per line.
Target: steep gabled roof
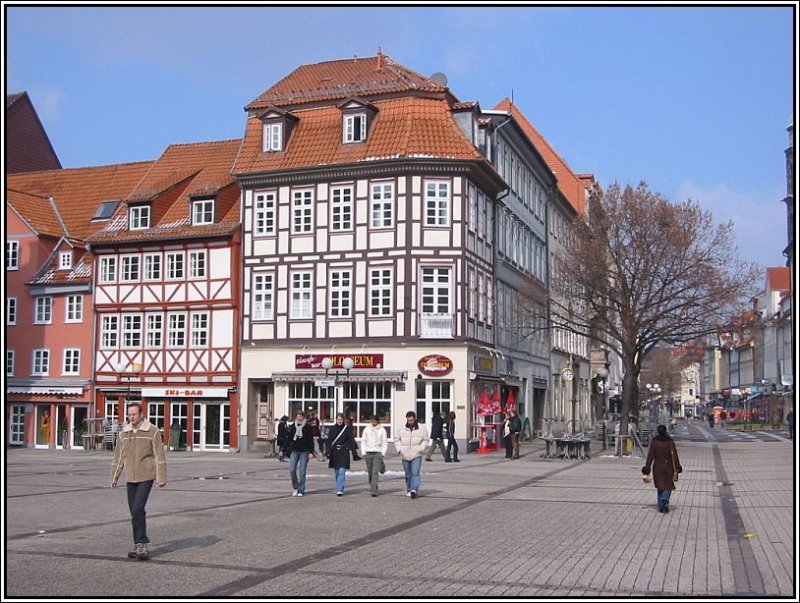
<point x="570" y="184"/>
<point x="183" y="172"/>
<point x="77" y="193"/>
<point x="28" y="148"/>
<point x="330" y="81"/>
<point x="402" y="128"/>
<point x="51" y="274"/>
<point x="779" y="278"/>
<point x="37" y="211"/>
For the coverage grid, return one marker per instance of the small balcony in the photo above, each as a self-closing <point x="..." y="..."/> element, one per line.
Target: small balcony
<point x="435" y="326"/>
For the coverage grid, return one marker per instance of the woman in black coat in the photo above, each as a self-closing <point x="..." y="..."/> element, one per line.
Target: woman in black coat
<point x="340" y="440"/>
<point x="282" y="441"/>
<point x="662" y="456"/>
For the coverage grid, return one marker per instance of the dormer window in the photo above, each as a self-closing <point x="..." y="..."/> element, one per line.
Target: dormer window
<point x="65" y="260"/>
<point x="355" y="128"/>
<point x="273" y="136"/>
<point x="202" y="212"/>
<point x="139" y="217"/>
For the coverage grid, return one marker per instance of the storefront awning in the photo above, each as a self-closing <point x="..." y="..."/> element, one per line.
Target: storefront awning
<point x="353" y="377"/>
<point x="45" y="391"/>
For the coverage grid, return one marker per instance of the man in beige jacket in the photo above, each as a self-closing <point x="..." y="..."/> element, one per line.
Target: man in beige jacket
<point x="140" y="451"/>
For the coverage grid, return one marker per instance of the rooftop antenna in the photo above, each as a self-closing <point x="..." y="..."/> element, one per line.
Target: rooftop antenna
<point x="512" y="96"/>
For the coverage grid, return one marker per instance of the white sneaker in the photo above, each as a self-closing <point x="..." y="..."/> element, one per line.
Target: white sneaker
<point x="299" y="494"/>
<point x="294" y="492"/>
<point x="340" y="494"/>
<point x="408" y="493"/>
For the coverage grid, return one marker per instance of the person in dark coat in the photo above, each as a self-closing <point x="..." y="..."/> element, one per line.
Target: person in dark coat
<point x="437" y="437"/>
<point x="450" y="429"/>
<point x="340" y="441"/>
<point x="511" y="428"/>
<point x="301" y="447"/>
<point x="282" y="441"/>
<point x="662" y="457"/>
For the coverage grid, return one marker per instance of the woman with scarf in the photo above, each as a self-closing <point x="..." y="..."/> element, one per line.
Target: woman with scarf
<point x="411" y="442"/>
<point x="340" y="440"/>
<point x="301" y="446"/>
<point x="662" y="456"/>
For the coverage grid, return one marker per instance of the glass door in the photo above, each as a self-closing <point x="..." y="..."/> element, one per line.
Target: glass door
<point x="16" y="435"/>
<point x="44" y="425"/>
<point x="433" y="397"/>
<point x="79" y="425"/>
<point x="62" y="427"/>
<point x="212" y="425"/>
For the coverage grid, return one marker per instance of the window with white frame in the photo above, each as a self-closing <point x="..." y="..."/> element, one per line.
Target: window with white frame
<point x="263" y="296"/>
<point x="139" y="217"/>
<point x="436" y="290"/>
<point x="340" y="293"/>
<point x="74" y="308"/>
<point x="472" y="310"/>
<point x="301" y="295"/>
<point x="44" y="310"/>
<point x="11" y="310"/>
<point x="341" y="208"/>
<point x="355" y="127"/>
<point x="472" y="194"/>
<point x="380" y="292"/>
<point x="131" y="330"/>
<point x="264" y="223"/>
<point x="152" y="267"/>
<point x="72" y="361"/>
<point x="175" y="270"/>
<point x="176" y="330"/>
<point x="197" y="264"/>
<point x="437" y="203"/>
<point x="202" y="212"/>
<point x="199" y="336"/>
<point x="302" y="211"/>
<point x="129" y="268"/>
<point x="273" y="137"/>
<point x="10" y="359"/>
<point x="154" y="327"/>
<point x="12" y="255"/>
<point x="382" y="204"/>
<point x="109" y="332"/>
<point x="108" y="270"/>
<point x="65" y="260"/>
<point x="41" y="362"/>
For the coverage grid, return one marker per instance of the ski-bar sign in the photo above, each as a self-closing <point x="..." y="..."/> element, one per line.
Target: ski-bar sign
<point x="435" y="365"/>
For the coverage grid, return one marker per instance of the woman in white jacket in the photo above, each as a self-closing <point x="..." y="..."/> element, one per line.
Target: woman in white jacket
<point x="374" y="444"/>
<point x="411" y="443"/>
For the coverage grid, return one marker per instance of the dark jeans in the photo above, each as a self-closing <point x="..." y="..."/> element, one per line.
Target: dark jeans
<point x="451" y="445"/>
<point x="138" y="493"/>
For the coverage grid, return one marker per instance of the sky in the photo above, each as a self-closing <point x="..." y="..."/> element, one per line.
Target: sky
<point x="693" y="100"/>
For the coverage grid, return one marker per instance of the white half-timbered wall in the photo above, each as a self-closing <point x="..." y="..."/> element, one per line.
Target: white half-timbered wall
<point x="294" y="237"/>
<point x="147" y="310"/>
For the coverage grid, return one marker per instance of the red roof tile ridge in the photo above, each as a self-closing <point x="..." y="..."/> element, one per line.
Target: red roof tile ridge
<point x="85" y="168"/>
<point x="204" y="143"/>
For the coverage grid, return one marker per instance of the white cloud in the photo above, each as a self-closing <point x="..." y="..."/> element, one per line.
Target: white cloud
<point x="758" y="217"/>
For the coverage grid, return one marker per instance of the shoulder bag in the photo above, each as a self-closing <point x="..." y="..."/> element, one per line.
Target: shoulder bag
<point x="674" y="467"/>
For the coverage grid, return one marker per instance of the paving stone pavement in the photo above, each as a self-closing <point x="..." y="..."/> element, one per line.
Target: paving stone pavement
<point x="226" y="525"/>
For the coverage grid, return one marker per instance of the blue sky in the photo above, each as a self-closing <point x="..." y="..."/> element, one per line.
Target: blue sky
<point x="693" y="100"/>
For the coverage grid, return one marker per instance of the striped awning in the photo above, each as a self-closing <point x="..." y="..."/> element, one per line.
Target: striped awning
<point x="353" y="377"/>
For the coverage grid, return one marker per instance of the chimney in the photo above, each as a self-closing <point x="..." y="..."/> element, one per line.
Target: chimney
<point x="380" y="58"/>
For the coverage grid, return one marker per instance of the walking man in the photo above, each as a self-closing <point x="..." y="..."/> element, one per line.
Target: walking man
<point x="140" y="451"/>
<point x="437" y="437"/>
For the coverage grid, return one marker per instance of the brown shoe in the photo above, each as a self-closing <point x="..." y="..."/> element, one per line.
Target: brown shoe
<point x="135" y="552"/>
<point x="143" y="554"/>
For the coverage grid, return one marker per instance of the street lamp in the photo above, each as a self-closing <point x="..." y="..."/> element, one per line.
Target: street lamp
<point x="654" y="389"/>
<point x="602" y="375"/>
<point x="128" y="371"/>
<point x="347" y="364"/>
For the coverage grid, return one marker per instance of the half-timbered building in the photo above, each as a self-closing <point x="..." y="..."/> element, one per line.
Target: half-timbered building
<point x="166" y="297"/>
<point x="368" y="234"/>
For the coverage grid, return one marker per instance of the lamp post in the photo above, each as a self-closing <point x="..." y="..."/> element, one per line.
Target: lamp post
<point x="347" y="364"/>
<point x="654" y="389"/>
<point x="128" y="371"/>
<point x="602" y="375"/>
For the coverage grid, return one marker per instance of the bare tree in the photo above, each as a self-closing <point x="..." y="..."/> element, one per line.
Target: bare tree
<point x="647" y="271"/>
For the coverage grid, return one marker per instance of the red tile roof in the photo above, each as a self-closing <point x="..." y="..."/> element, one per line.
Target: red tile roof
<point x="182" y="172"/>
<point x="39" y="213"/>
<point x="570" y="184"/>
<point x="342" y="79"/>
<point x="77" y="194"/>
<point x="779" y="278"/>
<point x="403" y="127"/>
<point x="81" y="271"/>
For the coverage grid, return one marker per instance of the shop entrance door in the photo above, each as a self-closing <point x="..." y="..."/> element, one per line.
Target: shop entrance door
<point x="16" y="432"/>
<point x="78" y="426"/>
<point x="433" y="397"/>
<point x="44" y="426"/>
<point x="212" y="426"/>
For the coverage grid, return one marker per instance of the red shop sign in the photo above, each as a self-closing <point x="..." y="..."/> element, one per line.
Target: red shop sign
<point x="361" y="361"/>
<point x="435" y="365"/>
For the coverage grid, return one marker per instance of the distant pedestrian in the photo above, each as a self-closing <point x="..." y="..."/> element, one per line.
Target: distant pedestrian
<point x="316" y="431"/>
<point x="673" y="424"/>
<point x="437" y="437"/>
<point x="301" y="447"/>
<point x="723" y="417"/>
<point x="790" y="424"/>
<point x="374" y="445"/>
<point x="354" y="433"/>
<point x="340" y="437"/>
<point x="449" y="428"/>
<point x="710" y="417"/>
<point x="411" y="441"/>
<point x="511" y="428"/>
<point x="282" y="441"/>
<point x="662" y="456"/>
<point x="140" y="451"/>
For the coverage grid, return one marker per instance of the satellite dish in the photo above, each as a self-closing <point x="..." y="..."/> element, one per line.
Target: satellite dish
<point x="440" y="78"/>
